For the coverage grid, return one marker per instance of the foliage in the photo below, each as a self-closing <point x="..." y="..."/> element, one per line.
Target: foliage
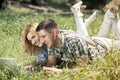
<point x="3" y="4"/>
<point x="67" y="3"/>
<point x="11" y="32"/>
<point x="98" y="4"/>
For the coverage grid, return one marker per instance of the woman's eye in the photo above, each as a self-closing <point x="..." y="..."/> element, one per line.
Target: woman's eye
<point x="33" y="37"/>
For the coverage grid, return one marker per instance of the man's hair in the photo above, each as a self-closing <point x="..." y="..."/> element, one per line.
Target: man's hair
<point x="46" y="25"/>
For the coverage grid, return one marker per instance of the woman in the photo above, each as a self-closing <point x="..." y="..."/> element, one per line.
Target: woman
<point x="30" y="46"/>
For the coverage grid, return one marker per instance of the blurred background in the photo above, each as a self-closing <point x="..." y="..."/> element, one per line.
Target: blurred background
<point x="51" y="5"/>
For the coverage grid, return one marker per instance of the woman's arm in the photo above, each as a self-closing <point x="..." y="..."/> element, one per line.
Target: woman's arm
<point x="32" y="66"/>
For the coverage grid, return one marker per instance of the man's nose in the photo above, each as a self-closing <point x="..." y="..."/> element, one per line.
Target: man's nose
<point x="41" y="41"/>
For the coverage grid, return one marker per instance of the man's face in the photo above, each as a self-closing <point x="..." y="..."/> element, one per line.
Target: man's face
<point x="46" y="37"/>
<point x="34" y="38"/>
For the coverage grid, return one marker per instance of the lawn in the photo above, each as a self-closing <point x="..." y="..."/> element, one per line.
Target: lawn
<point x="12" y="25"/>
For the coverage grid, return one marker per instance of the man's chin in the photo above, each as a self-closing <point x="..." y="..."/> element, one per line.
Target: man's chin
<point x="40" y="45"/>
<point x="49" y="46"/>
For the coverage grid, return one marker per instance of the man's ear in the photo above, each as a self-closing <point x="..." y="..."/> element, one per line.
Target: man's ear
<point x="54" y="32"/>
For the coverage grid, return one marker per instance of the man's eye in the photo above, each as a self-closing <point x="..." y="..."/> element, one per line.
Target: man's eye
<point x="43" y="36"/>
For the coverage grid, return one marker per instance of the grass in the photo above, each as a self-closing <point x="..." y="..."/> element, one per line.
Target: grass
<point x="12" y="25"/>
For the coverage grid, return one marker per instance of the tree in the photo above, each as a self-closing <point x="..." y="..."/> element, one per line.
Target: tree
<point x="1" y="3"/>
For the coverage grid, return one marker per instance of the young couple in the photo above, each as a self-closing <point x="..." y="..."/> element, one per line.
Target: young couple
<point x="49" y="43"/>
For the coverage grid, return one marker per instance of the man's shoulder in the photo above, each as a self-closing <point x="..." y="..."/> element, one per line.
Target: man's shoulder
<point x="74" y="35"/>
<point x="73" y="38"/>
<point x="67" y="31"/>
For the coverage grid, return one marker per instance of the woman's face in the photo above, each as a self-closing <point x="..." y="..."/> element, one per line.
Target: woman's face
<point x="33" y="37"/>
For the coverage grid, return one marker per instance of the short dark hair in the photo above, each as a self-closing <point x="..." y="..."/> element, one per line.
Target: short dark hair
<point x="47" y="25"/>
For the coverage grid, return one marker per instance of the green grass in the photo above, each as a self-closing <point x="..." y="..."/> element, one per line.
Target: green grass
<point x="11" y="32"/>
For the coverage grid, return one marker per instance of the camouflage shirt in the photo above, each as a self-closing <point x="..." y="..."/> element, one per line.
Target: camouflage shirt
<point x="72" y="46"/>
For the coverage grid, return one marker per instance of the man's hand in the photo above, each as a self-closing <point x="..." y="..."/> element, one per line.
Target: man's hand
<point x="52" y="69"/>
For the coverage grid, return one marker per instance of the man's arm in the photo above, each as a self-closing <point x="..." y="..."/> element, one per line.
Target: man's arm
<point x="52" y="61"/>
<point x="55" y="70"/>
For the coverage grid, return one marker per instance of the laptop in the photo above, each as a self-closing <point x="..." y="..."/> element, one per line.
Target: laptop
<point x="9" y="63"/>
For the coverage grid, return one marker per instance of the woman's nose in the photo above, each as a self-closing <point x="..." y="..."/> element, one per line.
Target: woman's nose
<point x="33" y="42"/>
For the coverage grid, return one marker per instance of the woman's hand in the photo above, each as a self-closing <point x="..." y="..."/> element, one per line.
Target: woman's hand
<point x="29" y="67"/>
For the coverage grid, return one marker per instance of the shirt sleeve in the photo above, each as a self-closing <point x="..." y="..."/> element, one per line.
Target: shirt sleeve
<point x="42" y="54"/>
<point x="54" y="52"/>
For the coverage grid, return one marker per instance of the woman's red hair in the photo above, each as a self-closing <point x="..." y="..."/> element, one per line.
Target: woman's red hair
<point x="27" y="46"/>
